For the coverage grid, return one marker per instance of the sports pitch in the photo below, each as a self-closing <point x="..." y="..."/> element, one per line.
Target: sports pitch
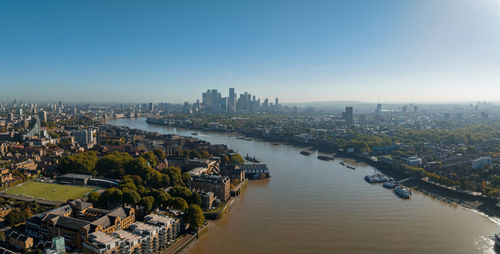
<point x="50" y="191"/>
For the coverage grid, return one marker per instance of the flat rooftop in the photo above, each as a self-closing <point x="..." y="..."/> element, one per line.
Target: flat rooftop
<point x="158" y="219"/>
<point x="102" y="238"/>
<point x="129" y="237"/>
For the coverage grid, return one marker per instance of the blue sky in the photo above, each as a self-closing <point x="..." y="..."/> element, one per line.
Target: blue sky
<point x="300" y="51"/>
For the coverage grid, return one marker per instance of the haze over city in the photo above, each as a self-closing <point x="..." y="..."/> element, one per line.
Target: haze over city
<point x="299" y="51"/>
<point x="257" y="126"/>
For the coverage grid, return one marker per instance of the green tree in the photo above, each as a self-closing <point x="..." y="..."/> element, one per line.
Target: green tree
<point x="160" y="155"/>
<point x="237" y="159"/>
<point x="195" y="199"/>
<point x="174" y="175"/>
<point x="83" y="163"/>
<point x="180" y="191"/>
<point x="147" y="202"/>
<point x="195" y="217"/>
<point x="186" y="179"/>
<point x="150" y="157"/>
<point x="15" y="217"/>
<point x="112" y="195"/>
<point x="161" y="200"/>
<point x="178" y="203"/>
<point x="131" y="197"/>
<point x="111" y="165"/>
<point x="94" y="197"/>
<point x="137" y="166"/>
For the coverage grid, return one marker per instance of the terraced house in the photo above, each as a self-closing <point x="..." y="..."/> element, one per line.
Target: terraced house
<point x="76" y="220"/>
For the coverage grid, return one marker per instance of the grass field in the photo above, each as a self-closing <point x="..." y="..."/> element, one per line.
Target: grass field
<point x="50" y="191"/>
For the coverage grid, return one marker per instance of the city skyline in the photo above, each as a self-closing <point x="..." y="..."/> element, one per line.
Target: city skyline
<point x="389" y="51"/>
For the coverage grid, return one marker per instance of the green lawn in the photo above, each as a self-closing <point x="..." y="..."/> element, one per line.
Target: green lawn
<point x="50" y="191"/>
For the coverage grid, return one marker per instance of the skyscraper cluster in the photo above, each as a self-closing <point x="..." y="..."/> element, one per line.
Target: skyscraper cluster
<point x="212" y="101"/>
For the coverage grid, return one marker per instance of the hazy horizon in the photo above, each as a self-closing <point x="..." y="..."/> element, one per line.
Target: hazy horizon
<point x="386" y="51"/>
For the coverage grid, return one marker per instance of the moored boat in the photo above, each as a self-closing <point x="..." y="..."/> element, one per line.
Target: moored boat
<point x="325" y="158"/>
<point x="305" y="153"/>
<point x="389" y="185"/>
<point x="403" y="192"/>
<point x="377" y="178"/>
<point x="250" y="159"/>
<point x="496" y="238"/>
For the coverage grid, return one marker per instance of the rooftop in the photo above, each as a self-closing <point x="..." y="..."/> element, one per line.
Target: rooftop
<point x="141" y="227"/>
<point x="198" y="171"/>
<point x="129" y="237"/>
<point x="156" y="219"/>
<point x="79" y="176"/>
<point x="102" y="238"/>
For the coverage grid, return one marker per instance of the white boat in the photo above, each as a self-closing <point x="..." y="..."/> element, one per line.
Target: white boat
<point x="377" y="178"/>
<point x="402" y="192"/>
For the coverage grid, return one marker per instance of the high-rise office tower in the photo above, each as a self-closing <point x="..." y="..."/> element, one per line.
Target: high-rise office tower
<point x="379" y="109"/>
<point x="43" y="116"/>
<point x="349" y="116"/>
<point x="405" y="110"/>
<point x="232" y="101"/>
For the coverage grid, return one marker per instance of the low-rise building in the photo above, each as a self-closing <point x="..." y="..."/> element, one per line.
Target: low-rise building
<point x="413" y="161"/>
<point x="481" y="162"/>
<point x="102" y="243"/>
<point x="171" y="228"/>
<point x="219" y="185"/>
<point x="74" y="179"/>
<point x="4" y="211"/>
<point x="207" y="200"/>
<point x="132" y="243"/>
<point x="255" y="171"/>
<point x="152" y="235"/>
<point x="20" y="241"/>
<point x="234" y="172"/>
<point x="76" y="220"/>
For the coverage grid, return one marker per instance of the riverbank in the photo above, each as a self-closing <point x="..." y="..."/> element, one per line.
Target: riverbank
<point x="270" y="213"/>
<point x="211" y="223"/>
<point x="480" y="204"/>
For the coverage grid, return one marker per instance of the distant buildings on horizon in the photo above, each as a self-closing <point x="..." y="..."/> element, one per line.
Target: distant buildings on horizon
<point x="212" y="101"/>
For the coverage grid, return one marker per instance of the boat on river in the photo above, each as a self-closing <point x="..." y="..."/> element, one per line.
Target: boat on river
<point x="341" y="163"/>
<point x="194" y="133"/>
<point x="244" y="138"/>
<point x="250" y="159"/>
<point x="325" y="158"/>
<point x="377" y="178"/>
<point x="305" y="153"/>
<point x="389" y="185"/>
<point x="496" y="238"/>
<point x="402" y="192"/>
<point x="350" y="167"/>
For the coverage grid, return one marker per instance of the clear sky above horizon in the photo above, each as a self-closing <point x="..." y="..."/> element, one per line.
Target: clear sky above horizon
<point x="299" y="51"/>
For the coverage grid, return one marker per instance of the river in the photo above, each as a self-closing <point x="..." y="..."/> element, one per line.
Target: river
<point x="314" y="206"/>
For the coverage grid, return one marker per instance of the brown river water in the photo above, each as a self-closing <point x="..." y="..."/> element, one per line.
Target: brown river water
<point x="314" y="206"/>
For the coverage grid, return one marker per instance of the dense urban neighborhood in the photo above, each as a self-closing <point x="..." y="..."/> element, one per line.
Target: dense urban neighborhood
<point x="71" y="182"/>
